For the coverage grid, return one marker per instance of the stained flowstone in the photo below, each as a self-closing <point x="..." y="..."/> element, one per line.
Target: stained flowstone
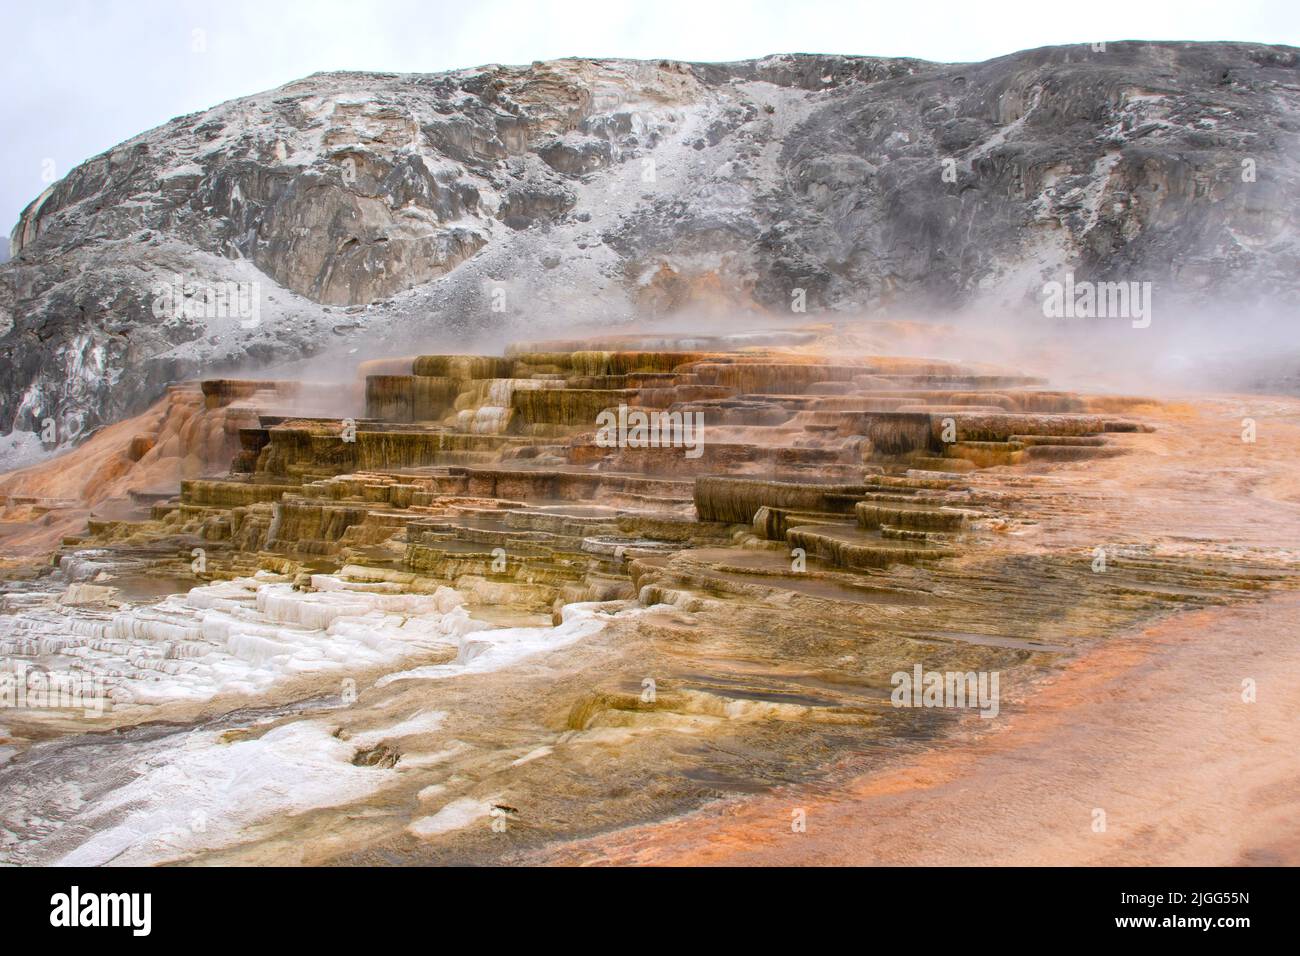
<point x="492" y="474"/>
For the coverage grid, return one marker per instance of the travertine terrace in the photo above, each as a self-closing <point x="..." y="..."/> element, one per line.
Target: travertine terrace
<point x="676" y="628"/>
<point x="864" y="463"/>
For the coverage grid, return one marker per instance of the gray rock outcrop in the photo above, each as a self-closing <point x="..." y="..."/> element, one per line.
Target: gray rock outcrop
<point x="381" y="209"/>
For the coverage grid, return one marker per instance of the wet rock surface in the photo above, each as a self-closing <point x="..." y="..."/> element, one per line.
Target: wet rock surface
<point x="481" y="630"/>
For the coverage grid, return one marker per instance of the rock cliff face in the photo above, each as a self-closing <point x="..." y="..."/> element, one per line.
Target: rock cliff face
<point x="369" y="210"/>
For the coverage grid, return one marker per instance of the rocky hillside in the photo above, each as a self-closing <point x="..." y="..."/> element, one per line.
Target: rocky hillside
<point x="388" y="211"/>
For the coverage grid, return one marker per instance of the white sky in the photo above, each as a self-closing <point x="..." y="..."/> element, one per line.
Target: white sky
<point x="80" y="77"/>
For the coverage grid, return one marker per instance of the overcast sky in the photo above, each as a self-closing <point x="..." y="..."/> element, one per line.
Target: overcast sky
<point x="80" y="77"/>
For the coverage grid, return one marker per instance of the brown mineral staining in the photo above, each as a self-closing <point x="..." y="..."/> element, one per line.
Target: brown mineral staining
<point x="850" y="517"/>
<point x="1120" y="728"/>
